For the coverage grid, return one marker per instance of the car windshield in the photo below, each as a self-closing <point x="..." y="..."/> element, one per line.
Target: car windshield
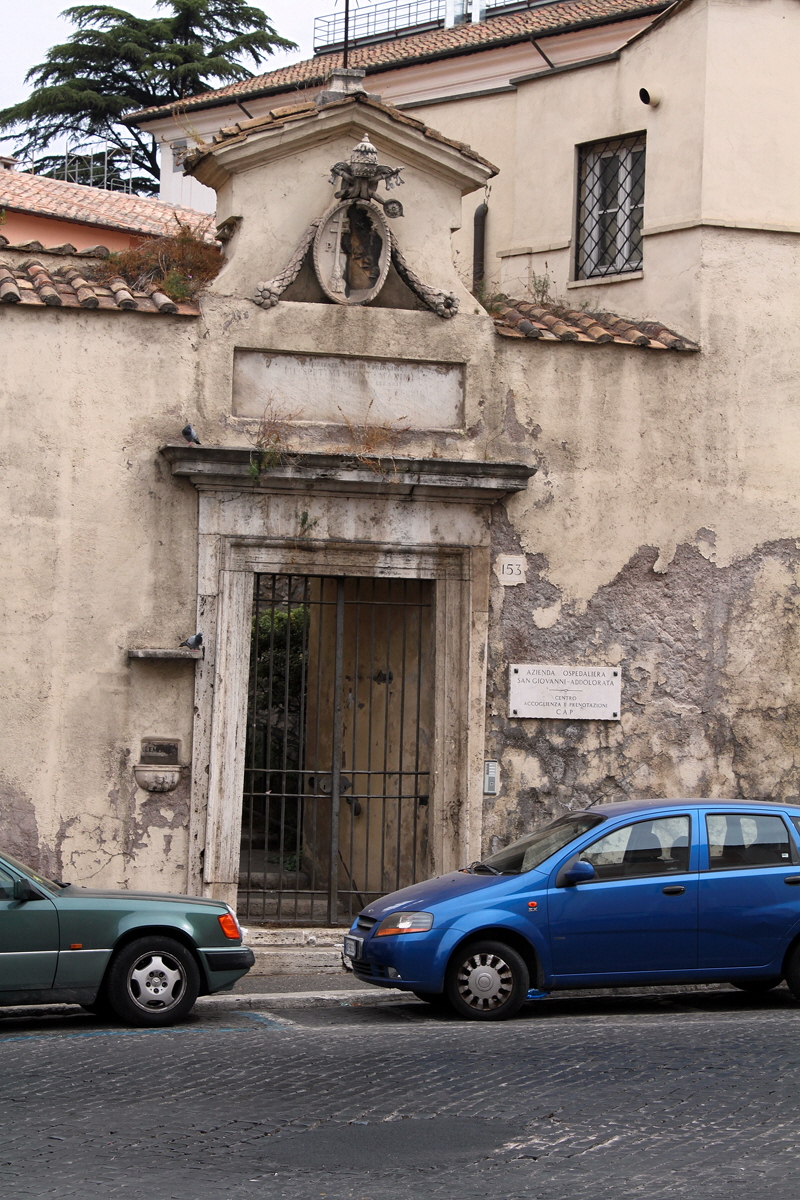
<point x="529" y="851"/>
<point x="49" y="884"/>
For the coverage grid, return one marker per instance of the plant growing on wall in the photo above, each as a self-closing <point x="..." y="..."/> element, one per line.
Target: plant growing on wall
<point x="179" y="265"/>
<point x="116" y="63"/>
<point x="374" y="443"/>
<point x="269" y="438"/>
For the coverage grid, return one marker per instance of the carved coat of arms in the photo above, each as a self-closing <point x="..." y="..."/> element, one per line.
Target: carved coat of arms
<point x="353" y="245"/>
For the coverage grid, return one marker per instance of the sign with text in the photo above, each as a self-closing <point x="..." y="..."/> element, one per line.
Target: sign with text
<point x="574" y="693"/>
<point x="510" y="569"/>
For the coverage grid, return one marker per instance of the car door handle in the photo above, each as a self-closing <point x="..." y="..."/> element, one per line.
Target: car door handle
<point x="676" y="889"/>
<point x="791" y="879"/>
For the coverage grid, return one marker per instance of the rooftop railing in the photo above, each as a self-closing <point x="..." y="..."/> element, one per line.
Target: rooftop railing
<point x="397" y="18"/>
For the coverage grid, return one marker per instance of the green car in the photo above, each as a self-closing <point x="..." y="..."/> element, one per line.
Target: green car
<point x="141" y="957"/>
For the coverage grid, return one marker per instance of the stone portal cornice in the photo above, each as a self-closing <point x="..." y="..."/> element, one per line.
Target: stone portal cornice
<point x="464" y="480"/>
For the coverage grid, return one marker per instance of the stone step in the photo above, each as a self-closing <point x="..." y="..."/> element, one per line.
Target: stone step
<point x="308" y="935"/>
<point x="296" y="960"/>
<point x="313" y="950"/>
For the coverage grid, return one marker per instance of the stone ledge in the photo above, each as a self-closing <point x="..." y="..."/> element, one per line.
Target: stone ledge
<point x="410" y="478"/>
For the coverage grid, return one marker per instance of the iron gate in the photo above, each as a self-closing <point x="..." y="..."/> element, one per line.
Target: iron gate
<point x="335" y="805"/>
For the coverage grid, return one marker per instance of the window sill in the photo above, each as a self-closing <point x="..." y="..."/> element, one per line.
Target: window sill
<point x="602" y="279"/>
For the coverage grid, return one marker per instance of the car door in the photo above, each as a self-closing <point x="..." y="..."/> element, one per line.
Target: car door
<point x="639" y="914"/>
<point x="748" y="902"/>
<point x="28" y="939"/>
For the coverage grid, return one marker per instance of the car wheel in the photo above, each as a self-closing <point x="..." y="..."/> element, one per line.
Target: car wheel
<point x="152" y="981"/>
<point x="437" y="1000"/>
<point x="487" y="981"/>
<point x="756" y="987"/>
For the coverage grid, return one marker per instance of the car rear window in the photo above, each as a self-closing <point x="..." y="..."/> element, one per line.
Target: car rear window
<point x="746" y="840"/>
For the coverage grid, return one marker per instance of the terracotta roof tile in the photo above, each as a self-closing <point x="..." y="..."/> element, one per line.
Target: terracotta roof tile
<point x="22" y="192"/>
<point x="310" y="111"/>
<point x="552" y="323"/>
<point x="31" y="283"/>
<point x="542" y="21"/>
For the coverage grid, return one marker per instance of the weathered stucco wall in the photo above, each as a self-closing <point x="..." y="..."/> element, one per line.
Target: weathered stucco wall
<point x="661" y="537"/>
<point x="660" y="534"/>
<point x="662" y="530"/>
<point x="99" y="557"/>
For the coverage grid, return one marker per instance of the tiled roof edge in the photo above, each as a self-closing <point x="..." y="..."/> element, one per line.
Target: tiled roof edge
<point x="137" y="230"/>
<point x="213" y="99"/>
<point x="242" y="130"/>
<point x="556" y="323"/>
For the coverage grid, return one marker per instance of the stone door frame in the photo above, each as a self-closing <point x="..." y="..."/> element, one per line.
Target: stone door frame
<point x="460" y="576"/>
<point x="407" y="518"/>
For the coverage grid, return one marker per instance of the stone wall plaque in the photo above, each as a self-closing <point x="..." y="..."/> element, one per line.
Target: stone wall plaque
<point x="510" y="569"/>
<point x="334" y="390"/>
<point x="160" y="751"/>
<point x="573" y="693"/>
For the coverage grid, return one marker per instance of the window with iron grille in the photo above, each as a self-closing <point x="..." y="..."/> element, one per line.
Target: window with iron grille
<point x="610" y="207"/>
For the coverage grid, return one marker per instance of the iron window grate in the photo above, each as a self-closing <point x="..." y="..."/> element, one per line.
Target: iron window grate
<point x="610" y="207"/>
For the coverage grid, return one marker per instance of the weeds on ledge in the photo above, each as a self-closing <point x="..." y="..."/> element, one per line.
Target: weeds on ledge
<point x="179" y="265"/>
<point x="373" y="444"/>
<point x="269" y="439"/>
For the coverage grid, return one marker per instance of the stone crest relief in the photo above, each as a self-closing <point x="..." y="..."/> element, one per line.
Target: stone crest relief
<point x="352" y="252"/>
<point x="353" y="245"/>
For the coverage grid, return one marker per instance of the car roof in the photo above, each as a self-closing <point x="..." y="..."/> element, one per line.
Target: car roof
<point x="616" y="808"/>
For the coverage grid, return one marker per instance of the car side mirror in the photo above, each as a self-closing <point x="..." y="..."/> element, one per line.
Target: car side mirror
<point x="24" y="891"/>
<point x="576" y="872"/>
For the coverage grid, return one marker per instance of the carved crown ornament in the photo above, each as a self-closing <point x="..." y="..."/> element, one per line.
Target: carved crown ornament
<point x="353" y="244"/>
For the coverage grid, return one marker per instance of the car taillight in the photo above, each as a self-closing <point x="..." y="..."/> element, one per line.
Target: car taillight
<point x="230" y="926"/>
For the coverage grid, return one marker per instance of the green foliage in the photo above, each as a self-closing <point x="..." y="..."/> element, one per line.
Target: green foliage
<point x="116" y="63"/>
<point x="275" y="730"/>
<point x="179" y="265"/>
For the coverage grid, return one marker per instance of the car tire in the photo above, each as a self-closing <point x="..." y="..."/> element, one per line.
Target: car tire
<point x="438" y="1001"/>
<point x="487" y="981"/>
<point x="756" y="987"/>
<point x="153" y="982"/>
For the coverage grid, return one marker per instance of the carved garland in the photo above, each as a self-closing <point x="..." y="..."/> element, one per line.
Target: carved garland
<point x="444" y="304"/>
<point x="268" y="294"/>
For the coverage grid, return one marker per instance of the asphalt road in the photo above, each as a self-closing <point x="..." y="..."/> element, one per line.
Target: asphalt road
<point x="686" y="1095"/>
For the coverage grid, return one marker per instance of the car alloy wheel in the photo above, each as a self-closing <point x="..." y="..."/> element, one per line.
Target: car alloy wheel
<point x="487" y="981"/>
<point x="152" y="981"/>
<point x="156" y="982"/>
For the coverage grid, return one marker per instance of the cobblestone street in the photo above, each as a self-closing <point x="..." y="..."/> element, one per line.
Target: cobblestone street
<point x="690" y="1094"/>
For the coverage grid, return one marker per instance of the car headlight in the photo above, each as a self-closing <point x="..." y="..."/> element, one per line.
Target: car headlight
<point x="404" y="922"/>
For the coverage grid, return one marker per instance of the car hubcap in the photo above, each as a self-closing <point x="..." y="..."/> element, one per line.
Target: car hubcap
<point x="485" y="981"/>
<point x="156" y="981"/>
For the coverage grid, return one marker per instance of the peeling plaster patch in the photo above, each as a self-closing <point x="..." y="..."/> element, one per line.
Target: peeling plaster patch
<point x="545" y="618"/>
<point x="19" y="832"/>
<point x="710" y="657"/>
<point x="666" y="554"/>
<point x="706" y="542"/>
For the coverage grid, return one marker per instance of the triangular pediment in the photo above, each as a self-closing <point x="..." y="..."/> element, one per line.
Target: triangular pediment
<point x="312" y="201"/>
<point x="292" y="131"/>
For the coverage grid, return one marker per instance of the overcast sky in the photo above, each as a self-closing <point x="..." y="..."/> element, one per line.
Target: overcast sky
<point x="30" y="29"/>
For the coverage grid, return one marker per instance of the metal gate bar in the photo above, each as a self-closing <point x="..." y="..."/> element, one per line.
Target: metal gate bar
<point x="340" y="716"/>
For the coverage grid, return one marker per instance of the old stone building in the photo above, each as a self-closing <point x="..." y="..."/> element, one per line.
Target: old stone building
<point x="401" y="497"/>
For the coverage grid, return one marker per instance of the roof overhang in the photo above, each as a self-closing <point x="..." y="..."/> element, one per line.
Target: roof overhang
<point x="349" y="119"/>
<point x="234" y="467"/>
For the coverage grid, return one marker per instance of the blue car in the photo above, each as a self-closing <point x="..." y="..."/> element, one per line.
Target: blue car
<point x="616" y="895"/>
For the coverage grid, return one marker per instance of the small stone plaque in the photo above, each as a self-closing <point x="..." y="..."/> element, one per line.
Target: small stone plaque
<point x="572" y="693"/>
<point x="510" y="569"/>
<point x="164" y="751"/>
